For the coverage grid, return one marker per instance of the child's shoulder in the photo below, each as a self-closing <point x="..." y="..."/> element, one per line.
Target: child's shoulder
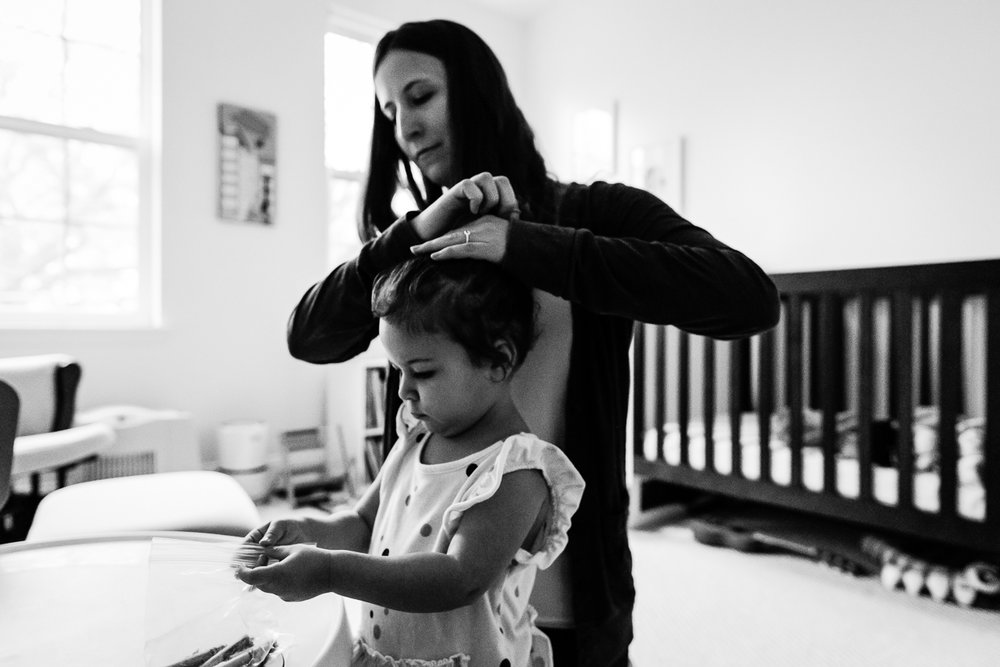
<point x="526" y="451"/>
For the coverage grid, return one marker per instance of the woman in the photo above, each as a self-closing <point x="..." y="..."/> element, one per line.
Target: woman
<point x="599" y="257"/>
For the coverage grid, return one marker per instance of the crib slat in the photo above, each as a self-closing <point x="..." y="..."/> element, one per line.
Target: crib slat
<point x="793" y="386"/>
<point x="660" y="417"/>
<point x="738" y="389"/>
<point x="902" y="381"/>
<point x="765" y="403"/>
<point x="866" y="381"/>
<point x="949" y="392"/>
<point x="829" y="335"/>
<point x="708" y="400"/>
<point x="684" y="392"/>
<point x="991" y="438"/>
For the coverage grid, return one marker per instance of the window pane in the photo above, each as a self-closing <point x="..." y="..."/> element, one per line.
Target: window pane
<point x="344" y="202"/>
<point x="110" y="23"/>
<point x="31" y="259"/>
<point x="104" y="184"/>
<point x="32" y="177"/>
<point x="55" y="268"/>
<point x="38" y="15"/>
<point x="349" y="102"/>
<point x="30" y="75"/>
<point x="102" y="89"/>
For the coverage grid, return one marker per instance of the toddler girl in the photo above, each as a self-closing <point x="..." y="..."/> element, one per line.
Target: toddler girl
<point x="444" y="545"/>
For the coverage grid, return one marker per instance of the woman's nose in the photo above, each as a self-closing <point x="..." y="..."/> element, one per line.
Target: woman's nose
<point x="408" y="125"/>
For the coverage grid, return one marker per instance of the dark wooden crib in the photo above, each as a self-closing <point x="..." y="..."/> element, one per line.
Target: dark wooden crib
<point x="907" y="354"/>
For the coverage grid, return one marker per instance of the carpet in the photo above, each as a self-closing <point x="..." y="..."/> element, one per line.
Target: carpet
<point x="703" y="606"/>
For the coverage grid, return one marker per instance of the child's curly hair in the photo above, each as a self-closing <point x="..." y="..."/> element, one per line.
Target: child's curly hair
<point x="474" y="302"/>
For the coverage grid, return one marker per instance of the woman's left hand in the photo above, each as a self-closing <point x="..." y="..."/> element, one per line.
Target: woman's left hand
<point x="483" y="238"/>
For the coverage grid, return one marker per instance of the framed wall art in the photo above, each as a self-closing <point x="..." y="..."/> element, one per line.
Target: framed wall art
<point x="246" y="164"/>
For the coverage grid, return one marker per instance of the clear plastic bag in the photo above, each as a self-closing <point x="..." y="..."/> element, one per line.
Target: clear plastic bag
<point x="198" y="614"/>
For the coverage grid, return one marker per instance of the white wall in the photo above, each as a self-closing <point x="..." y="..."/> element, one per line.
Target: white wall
<point x="819" y="134"/>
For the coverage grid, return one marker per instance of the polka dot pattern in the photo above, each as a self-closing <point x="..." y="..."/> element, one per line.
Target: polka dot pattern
<point x="471" y="469"/>
<point x="425" y="530"/>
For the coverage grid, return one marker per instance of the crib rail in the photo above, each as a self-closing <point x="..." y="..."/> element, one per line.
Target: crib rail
<point x="877" y="343"/>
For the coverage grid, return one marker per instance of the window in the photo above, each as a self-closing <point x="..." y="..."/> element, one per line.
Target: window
<point x="75" y="224"/>
<point x="349" y="102"/>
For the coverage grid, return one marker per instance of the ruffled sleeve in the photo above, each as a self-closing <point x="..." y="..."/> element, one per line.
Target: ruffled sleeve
<point x="527" y="452"/>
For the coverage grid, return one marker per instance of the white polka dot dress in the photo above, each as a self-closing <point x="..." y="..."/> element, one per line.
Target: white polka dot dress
<point x="420" y="509"/>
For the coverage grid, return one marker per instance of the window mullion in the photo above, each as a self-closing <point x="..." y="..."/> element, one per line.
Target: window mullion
<point x="63" y="132"/>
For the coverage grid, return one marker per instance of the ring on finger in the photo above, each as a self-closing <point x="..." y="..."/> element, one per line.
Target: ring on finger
<point x="467" y="235"/>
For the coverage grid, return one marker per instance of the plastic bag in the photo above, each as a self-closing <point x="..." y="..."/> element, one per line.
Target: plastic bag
<point x="198" y="614"/>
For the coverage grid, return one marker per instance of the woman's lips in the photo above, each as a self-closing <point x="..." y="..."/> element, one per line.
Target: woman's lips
<point x="425" y="152"/>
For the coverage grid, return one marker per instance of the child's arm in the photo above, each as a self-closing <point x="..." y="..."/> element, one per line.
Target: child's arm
<point x="347" y="529"/>
<point x="487" y="540"/>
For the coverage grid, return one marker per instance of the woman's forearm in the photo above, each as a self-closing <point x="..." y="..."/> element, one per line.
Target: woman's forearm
<point x="333" y="321"/>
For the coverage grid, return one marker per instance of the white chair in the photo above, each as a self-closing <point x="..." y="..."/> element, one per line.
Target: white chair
<point x="200" y="501"/>
<point x="46" y="439"/>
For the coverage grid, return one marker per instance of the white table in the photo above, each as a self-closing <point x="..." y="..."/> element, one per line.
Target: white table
<point x="82" y="602"/>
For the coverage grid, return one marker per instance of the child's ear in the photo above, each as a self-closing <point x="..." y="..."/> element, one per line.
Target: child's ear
<point x="501" y="371"/>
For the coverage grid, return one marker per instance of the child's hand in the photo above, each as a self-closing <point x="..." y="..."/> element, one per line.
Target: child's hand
<point x="296" y="573"/>
<point x="283" y="531"/>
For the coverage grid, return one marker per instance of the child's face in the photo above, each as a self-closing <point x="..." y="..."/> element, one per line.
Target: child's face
<point x="444" y="388"/>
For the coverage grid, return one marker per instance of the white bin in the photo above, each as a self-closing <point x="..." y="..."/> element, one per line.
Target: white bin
<point x="243" y="453"/>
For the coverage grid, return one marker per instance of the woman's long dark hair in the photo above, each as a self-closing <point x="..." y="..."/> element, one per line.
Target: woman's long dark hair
<point x="491" y="134"/>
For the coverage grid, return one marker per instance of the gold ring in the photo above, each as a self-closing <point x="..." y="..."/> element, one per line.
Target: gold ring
<point x="467" y="235"/>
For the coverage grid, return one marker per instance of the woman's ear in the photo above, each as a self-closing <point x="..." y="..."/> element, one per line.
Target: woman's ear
<point x="502" y="370"/>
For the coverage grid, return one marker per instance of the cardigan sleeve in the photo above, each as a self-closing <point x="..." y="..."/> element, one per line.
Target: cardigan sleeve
<point x="620" y="251"/>
<point x="333" y="321"/>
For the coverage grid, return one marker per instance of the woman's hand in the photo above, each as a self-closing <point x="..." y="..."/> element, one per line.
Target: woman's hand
<point x="465" y="201"/>
<point x="296" y="573"/>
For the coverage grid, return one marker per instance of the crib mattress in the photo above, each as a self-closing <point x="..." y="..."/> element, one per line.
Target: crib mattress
<point x="971" y="496"/>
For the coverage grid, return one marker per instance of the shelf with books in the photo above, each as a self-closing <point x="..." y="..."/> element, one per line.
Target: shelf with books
<point x="376" y="373"/>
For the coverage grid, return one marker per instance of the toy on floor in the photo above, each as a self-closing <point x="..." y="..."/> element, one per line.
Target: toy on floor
<point x="753" y="534"/>
<point x="963" y="584"/>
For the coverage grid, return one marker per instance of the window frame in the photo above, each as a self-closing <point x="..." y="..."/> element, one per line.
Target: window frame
<point x="365" y="28"/>
<point x="146" y="146"/>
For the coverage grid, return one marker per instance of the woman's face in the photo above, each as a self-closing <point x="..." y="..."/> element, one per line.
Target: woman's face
<point x="412" y="92"/>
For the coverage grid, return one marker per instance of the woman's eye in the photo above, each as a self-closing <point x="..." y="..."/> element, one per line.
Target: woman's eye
<point x="421" y="99"/>
<point x="422" y="375"/>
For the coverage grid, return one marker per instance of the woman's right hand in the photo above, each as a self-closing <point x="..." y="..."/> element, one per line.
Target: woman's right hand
<point x="463" y="202"/>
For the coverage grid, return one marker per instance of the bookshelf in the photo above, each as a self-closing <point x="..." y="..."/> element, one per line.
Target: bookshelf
<point x="376" y="373"/>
